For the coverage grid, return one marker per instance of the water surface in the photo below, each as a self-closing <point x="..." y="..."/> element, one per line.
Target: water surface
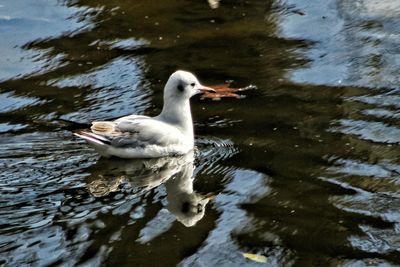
<point x="304" y="170"/>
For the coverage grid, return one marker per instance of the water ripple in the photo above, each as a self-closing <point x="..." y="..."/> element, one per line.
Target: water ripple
<point x="117" y="89"/>
<point x="44" y="20"/>
<point x="37" y="171"/>
<point x="369" y="130"/>
<point x="211" y="151"/>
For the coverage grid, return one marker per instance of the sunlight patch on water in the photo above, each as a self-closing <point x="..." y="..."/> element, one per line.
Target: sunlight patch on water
<point x="9" y="102"/>
<point x="45" y="19"/>
<point x="221" y="246"/>
<point x="125" y="44"/>
<point x="355" y="42"/>
<point x="380" y="100"/>
<point x="113" y="90"/>
<point x="6" y="127"/>
<point x="369" y="130"/>
<point x="377" y="240"/>
<point x="382" y="113"/>
<point x="352" y="167"/>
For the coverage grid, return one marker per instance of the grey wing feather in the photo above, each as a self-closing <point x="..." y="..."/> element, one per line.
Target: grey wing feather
<point x="126" y="142"/>
<point x="143" y="132"/>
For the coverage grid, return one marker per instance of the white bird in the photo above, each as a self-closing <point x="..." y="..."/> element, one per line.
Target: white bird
<point x="138" y="136"/>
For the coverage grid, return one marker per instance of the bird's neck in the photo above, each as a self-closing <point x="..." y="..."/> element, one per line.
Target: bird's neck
<point x="178" y="114"/>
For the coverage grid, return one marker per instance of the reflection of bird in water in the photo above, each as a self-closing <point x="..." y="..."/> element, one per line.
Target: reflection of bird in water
<point x="187" y="205"/>
<point x="176" y="173"/>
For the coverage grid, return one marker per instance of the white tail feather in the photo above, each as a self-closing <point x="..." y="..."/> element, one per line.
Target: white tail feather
<point x="90" y="140"/>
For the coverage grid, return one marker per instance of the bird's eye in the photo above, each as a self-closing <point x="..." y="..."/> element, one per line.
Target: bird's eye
<point x="199" y="208"/>
<point x="192" y="84"/>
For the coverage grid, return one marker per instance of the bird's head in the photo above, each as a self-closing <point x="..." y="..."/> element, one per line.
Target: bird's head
<point x="183" y="85"/>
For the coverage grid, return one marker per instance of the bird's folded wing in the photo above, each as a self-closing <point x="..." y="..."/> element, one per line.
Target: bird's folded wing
<point x="137" y="133"/>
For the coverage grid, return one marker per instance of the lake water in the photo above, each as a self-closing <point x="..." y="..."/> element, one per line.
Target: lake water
<point x="304" y="170"/>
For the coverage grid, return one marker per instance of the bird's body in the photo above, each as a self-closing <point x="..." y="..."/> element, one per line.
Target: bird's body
<point x="138" y="136"/>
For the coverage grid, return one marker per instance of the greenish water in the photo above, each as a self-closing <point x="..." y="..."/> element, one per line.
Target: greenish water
<point x="305" y="169"/>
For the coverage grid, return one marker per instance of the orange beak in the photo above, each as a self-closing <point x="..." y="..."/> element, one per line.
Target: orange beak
<point x="205" y="89"/>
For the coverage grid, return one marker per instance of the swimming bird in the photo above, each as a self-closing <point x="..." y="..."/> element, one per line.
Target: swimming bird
<point x="137" y="136"/>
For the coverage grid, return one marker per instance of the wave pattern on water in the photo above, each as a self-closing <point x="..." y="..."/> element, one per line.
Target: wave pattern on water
<point x="304" y="170"/>
<point x="211" y="151"/>
<point x="359" y="57"/>
<point x="44" y="20"/>
<point x="116" y="90"/>
<point x="34" y="179"/>
<point x="370" y="129"/>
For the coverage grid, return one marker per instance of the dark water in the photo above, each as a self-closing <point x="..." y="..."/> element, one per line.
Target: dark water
<point x="304" y="170"/>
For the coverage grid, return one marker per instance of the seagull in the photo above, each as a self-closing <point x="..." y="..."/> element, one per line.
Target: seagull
<point x="137" y="136"/>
